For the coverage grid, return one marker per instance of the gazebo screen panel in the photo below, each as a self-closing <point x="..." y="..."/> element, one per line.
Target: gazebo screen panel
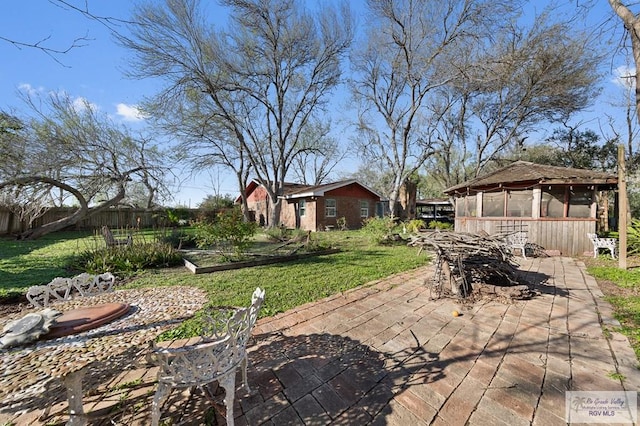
<point x="580" y="200"/>
<point x="519" y="203"/>
<point x="552" y="204"/>
<point x="493" y="204"/>
<point x="466" y="206"/>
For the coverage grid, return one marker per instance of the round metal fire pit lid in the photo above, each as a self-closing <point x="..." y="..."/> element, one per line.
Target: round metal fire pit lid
<point x="87" y="318"/>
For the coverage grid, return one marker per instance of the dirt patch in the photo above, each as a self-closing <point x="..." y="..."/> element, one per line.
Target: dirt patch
<point x="609" y="288"/>
<point x="8" y="306"/>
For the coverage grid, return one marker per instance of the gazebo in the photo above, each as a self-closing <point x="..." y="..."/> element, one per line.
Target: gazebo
<point x="556" y="206"/>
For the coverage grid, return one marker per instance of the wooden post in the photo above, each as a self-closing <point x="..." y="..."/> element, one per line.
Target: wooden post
<point x="622" y="209"/>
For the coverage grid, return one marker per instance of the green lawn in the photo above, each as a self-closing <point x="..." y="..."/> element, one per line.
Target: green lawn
<point x="26" y="263"/>
<point x="622" y="290"/>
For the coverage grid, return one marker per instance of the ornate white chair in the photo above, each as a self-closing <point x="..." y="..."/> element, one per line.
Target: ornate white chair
<point x="607" y="243"/>
<point x="518" y="240"/>
<point x="41" y="296"/>
<point x="216" y="356"/>
<point x="61" y="289"/>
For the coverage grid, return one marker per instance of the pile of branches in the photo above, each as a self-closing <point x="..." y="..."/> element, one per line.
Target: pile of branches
<point x="472" y="265"/>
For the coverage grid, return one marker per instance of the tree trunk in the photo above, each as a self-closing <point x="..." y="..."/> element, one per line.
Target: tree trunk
<point x="274" y="213"/>
<point x="83" y="212"/>
<point x="242" y="185"/>
<point x="632" y="25"/>
<point x="58" y="225"/>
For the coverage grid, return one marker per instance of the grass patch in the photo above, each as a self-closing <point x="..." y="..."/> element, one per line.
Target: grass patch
<point x="627" y="311"/>
<point x="629" y="278"/>
<point x="621" y="288"/>
<point x="616" y="376"/>
<point x="26" y="263"/>
<point x="37" y="262"/>
<point x="294" y="283"/>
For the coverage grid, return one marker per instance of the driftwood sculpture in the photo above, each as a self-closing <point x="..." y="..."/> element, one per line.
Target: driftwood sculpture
<point x="468" y="265"/>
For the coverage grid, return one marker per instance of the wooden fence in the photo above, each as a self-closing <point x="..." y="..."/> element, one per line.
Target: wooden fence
<point x="117" y="218"/>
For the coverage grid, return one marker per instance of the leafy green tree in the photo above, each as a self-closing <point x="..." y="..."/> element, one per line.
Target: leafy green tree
<point x="216" y="202"/>
<point x="571" y="147"/>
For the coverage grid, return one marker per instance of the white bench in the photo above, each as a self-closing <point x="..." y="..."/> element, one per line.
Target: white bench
<point x="606" y="243"/>
<point x="61" y="289"/>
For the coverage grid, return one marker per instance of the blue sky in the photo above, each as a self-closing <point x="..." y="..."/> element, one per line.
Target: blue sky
<point x="95" y="71"/>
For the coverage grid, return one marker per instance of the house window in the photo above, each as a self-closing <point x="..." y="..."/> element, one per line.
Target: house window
<point x="364" y="209"/>
<point x="302" y="207"/>
<point x="330" y="207"/>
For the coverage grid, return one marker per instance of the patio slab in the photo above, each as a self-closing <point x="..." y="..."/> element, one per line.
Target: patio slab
<point x="386" y="354"/>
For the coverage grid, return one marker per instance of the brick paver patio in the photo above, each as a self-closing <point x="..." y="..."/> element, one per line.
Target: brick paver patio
<point x="386" y="354"/>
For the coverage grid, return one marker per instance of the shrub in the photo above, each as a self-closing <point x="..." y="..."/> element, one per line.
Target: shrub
<point x="633" y="237"/>
<point x="178" y="216"/>
<point x="279" y="233"/>
<point x="414" y="226"/>
<point x="177" y="238"/>
<point x="227" y="230"/>
<point x="341" y="222"/>
<point x="127" y="259"/>
<point x="379" y="229"/>
<point x="434" y="224"/>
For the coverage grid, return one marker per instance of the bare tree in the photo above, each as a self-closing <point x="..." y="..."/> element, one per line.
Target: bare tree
<point x="544" y="73"/>
<point x="69" y="152"/>
<point x="262" y="81"/>
<point x="515" y="82"/>
<point x="320" y="155"/>
<point x="45" y="43"/>
<point x="410" y="47"/>
<point x="629" y="132"/>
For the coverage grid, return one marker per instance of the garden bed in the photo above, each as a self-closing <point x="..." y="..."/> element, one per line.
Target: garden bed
<point x="202" y="266"/>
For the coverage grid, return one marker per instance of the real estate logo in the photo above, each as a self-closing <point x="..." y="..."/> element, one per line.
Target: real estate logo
<point x="601" y="407"/>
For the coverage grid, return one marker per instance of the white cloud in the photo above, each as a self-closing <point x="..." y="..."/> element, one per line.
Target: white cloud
<point x="80" y="104"/>
<point x="31" y="91"/>
<point x="623" y="76"/>
<point x="129" y="112"/>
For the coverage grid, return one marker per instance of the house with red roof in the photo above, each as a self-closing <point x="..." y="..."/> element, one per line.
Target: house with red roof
<point x="317" y="207"/>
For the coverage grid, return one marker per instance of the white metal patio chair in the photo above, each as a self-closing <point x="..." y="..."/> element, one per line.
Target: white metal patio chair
<point x="518" y="240"/>
<point x="220" y="351"/>
<point x="606" y="243"/>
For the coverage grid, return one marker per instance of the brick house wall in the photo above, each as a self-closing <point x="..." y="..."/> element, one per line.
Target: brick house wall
<point x="348" y="200"/>
<point x="347" y="204"/>
<point x="258" y="203"/>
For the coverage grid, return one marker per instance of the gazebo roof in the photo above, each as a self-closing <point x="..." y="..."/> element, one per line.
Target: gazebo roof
<point x="526" y="172"/>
